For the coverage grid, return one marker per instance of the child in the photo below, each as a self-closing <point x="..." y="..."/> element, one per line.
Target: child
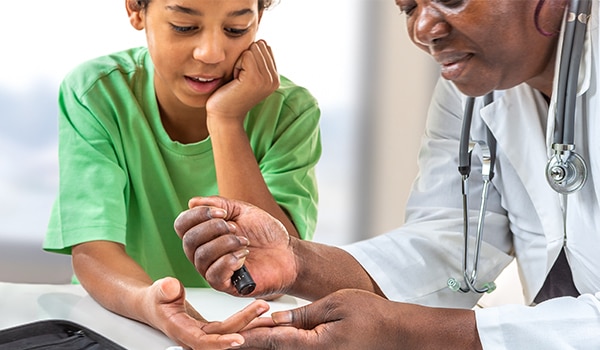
<point x="200" y="111"/>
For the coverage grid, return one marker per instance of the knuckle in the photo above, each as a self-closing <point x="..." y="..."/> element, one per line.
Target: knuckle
<point x="199" y="256"/>
<point x="202" y="213"/>
<point x="189" y="239"/>
<point x="181" y="225"/>
<point x="273" y="343"/>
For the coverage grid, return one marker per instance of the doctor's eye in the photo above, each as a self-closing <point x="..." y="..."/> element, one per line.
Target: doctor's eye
<point x="450" y="3"/>
<point x="406" y="7"/>
<point x="408" y="11"/>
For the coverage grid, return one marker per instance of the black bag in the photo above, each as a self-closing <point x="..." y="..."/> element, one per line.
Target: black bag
<point x="54" y="334"/>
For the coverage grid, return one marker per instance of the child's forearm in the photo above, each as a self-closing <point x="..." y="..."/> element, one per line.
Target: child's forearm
<point x="111" y="277"/>
<point x="238" y="173"/>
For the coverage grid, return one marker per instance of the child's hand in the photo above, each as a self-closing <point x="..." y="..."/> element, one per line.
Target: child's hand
<point x="169" y="312"/>
<point x="254" y="78"/>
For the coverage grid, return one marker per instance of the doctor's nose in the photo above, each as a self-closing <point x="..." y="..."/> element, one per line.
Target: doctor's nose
<point x="209" y="49"/>
<point x="428" y="26"/>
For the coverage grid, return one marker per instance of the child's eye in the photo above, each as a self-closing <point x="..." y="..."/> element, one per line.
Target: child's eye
<point x="180" y="29"/>
<point x="236" y="31"/>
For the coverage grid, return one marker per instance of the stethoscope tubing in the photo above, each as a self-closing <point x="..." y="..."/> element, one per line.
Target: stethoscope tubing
<point x="563" y="75"/>
<point x="573" y="42"/>
<point x="564" y="130"/>
<point x="488" y="153"/>
<point x="464" y="158"/>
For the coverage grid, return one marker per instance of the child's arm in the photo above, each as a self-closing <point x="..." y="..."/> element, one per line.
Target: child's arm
<point x="238" y="173"/>
<point x="119" y="284"/>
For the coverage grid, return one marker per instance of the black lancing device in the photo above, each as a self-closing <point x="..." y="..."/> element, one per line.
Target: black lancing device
<point x="242" y="281"/>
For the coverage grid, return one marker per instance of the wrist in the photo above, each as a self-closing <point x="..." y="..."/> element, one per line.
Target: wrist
<point x="216" y="123"/>
<point x="429" y="327"/>
<point x="297" y="278"/>
<point x="304" y="277"/>
<point x="142" y="302"/>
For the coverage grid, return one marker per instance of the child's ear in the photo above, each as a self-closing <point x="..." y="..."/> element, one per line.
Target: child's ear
<point x="134" y="11"/>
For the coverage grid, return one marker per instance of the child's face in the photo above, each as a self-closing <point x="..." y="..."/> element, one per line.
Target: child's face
<point x="195" y="44"/>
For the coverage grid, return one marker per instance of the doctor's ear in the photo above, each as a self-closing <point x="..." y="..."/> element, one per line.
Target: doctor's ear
<point x="135" y="10"/>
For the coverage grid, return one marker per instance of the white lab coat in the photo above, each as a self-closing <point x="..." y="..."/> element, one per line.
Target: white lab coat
<point x="524" y="217"/>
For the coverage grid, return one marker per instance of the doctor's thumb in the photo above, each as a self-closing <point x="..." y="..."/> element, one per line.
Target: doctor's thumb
<point x="305" y="317"/>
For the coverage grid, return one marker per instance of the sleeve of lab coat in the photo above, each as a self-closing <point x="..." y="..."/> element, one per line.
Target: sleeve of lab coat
<point x="561" y="323"/>
<point x="414" y="262"/>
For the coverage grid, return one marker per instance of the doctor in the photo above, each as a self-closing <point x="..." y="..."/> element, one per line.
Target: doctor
<point x="391" y="292"/>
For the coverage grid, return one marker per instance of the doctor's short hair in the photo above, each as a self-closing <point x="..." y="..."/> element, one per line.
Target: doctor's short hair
<point x="262" y="4"/>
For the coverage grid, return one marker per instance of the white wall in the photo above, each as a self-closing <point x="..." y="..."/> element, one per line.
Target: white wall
<point x="402" y="81"/>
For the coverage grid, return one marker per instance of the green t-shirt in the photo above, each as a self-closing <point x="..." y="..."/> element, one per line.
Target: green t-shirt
<point x="123" y="179"/>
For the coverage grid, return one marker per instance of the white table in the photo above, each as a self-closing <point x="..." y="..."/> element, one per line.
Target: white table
<point x="25" y="303"/>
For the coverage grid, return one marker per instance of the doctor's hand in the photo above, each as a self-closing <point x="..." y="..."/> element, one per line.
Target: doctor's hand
<point x="356" y="319"/>
<point x="255" y="77"/>
<point x="168" y="311"/>
<point x="220" y="235"/>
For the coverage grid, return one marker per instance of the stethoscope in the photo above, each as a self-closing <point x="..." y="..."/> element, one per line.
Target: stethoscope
<point x="566" y="171"/>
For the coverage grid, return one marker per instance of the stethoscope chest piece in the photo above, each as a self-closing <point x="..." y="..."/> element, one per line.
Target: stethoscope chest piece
<point x="566" y="171"/>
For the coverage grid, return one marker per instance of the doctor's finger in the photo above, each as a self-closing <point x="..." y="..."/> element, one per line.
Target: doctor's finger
<point x="206" y="242"/>
<point x="230" y="206"/>
<point x="194" y="216"/>
<point x="218" y="259"/>
<point x="309" y="316"/>
<point x="282" y="338"/>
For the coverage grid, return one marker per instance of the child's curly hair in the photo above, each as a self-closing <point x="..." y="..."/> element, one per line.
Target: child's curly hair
<point x="262" y="4"/>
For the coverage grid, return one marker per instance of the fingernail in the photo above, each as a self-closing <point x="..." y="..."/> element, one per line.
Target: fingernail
<point x="232" y="226"/>
<point x="239" y="265"/>
<point x="240" y="254"/>
<point x="243" y="240"/>
<point x="283" y="317"/>
<point x="217" y="213"/>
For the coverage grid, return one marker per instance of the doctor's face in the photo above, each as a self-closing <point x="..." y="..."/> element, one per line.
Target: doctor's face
<point x="485" y="45"/>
